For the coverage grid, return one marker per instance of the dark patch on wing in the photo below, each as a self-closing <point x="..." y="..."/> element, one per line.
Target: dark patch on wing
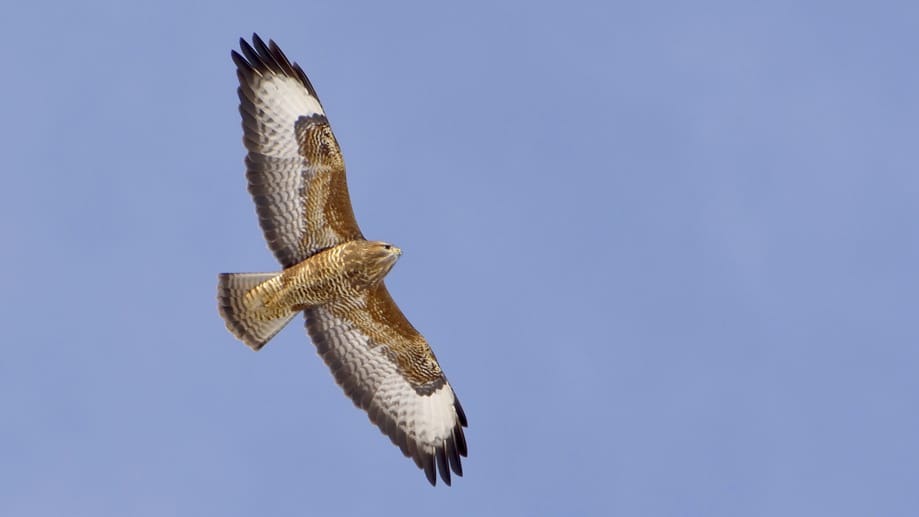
<point x="327" y="201"/>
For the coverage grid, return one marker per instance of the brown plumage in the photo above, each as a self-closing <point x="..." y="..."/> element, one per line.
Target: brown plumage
<point x="331" y="273"/>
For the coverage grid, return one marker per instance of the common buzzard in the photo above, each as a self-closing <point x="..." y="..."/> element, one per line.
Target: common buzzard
<point x="330" y="272"/>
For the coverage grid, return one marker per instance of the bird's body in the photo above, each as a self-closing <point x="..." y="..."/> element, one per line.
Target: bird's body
<point x="330" y="276"/>
<point x="330" y="272"/>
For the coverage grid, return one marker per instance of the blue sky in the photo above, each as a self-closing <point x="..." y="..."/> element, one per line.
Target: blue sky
<point x="666" y="253"/>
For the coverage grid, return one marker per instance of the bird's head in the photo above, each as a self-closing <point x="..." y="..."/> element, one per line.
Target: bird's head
<point x="385" y="252"/>
<point x="374" y="259"/>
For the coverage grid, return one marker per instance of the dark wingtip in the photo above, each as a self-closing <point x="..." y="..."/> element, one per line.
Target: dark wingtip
<point x="442" y="466"/>
<point x="261" y="57"/>
<point x="460" y="414"/>
<point x="257" y="40"/>
<point x="453" y="454"/>
<point x="429" y="469"/>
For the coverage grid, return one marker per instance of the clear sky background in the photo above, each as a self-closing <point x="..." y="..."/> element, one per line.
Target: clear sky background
<point x="666" y="252"/>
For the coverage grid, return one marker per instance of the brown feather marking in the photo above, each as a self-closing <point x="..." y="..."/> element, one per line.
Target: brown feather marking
<point x="338" y="212"/>
<point x="327" y="208"/>
<point x="386" y="325"/>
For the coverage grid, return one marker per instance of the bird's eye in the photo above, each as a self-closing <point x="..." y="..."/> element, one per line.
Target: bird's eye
<point x="387" y="246"/>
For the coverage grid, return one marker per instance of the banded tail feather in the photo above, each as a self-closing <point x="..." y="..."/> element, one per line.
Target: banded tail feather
<point x="242" y="313"/>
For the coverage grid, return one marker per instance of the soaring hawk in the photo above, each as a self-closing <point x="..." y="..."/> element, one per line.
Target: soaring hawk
<point x="330" y="272"/>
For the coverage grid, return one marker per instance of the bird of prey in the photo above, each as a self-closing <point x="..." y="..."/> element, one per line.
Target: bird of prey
<point x="330" y="272"/>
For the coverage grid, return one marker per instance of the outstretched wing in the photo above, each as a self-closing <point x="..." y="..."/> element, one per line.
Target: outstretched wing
<point x="388" y="370"/>
<point x="295" y="169"/>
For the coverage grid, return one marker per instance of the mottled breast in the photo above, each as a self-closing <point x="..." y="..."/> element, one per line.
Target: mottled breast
<point x="336" y="274"/>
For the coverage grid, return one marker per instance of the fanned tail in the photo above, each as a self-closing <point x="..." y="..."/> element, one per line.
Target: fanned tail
<point x="241" y="313"/>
